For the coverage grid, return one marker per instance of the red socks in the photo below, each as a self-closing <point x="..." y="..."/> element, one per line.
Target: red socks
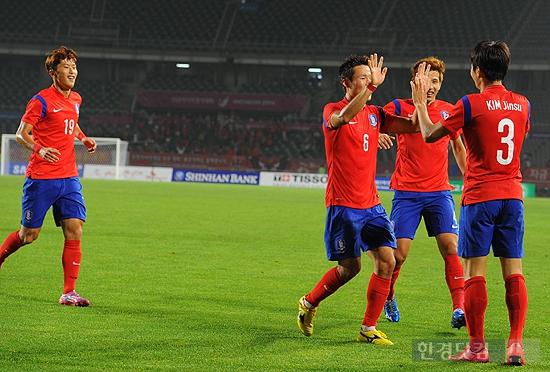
<point x="475" y="305"/>
<point x="10" y="245"/>
<point x="377" y="293"/>
<point x="394" y="277"/>
<point x="454" y="276"/>
<point x="328" y="284"/>
<point x="516" y="301"/>
<point x="71" y="258"/>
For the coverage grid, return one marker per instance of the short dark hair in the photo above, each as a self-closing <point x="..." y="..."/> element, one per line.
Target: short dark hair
<point x="493" y="58"/>
<point x="347" y="68"/>
<point x="58" y="55"/>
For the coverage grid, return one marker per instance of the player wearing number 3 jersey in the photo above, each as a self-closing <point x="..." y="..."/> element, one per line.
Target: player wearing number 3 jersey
<point x="49" y="128"/>
<point x="494" y="123"/>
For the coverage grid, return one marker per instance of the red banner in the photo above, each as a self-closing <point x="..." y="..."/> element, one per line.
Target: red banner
<point x="221" y="162"/>
<point x="222" y="101"/>
<point x="192" y="161"/>
<point x="536" y="175"/>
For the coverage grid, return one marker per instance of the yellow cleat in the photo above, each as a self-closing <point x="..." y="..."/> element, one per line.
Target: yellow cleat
<point x="305" y="317"/>
<point x="374" y="337"/>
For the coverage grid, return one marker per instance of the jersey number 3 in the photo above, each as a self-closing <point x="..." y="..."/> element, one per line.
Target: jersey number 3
<point x="507" y="140"/>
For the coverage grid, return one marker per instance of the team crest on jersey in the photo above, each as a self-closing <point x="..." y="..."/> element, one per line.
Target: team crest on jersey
<point x="341" y="245"/>
<point x="77" y="108"/>
<point x="373" y="120"/>
<point x="445" y="114"/>
<point x="28" y="215"/>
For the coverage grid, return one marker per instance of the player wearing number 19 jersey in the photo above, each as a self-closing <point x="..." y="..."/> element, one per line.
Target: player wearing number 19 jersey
<point x="494" y="123"/>
<point x="48" y="128"/>
<point x="53" y="117"/>
<point x="355" y="219"/>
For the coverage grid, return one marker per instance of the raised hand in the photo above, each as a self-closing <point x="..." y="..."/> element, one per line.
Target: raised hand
<point x="420" y="84"/>
<point x="424" y="71"/>
<point x="378" y="73"/>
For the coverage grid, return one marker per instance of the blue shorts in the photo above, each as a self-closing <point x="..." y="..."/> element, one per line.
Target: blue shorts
<point x="437" y="208"/>
<point x="349" y="231"/>
<point x="498" y="223"/>
<point x="64" y="194"/>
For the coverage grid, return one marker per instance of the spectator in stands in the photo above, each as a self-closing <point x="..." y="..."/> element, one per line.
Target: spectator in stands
<point x="356" y="221"/>
<point x="494" y="123"/>
<point x="422" y="189"/>
<point x="52" y="176"/>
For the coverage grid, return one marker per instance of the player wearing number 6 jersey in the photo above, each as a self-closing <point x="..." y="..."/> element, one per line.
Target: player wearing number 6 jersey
<point x="356" y="221"/>
<point x="494" y="123"/>
<point x="48" y="128"/>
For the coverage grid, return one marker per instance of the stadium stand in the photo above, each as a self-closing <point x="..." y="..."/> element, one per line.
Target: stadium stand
<point x="278" y="40"/>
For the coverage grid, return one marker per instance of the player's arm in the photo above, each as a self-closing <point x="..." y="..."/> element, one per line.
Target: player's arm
<point x="88" y="142"/>
<point x="400" y="124"/>
<point x="430" y="132"/>
<point x="459" y="152"/>
<point x="344" y="116"/>
<point x="24" y="138"/>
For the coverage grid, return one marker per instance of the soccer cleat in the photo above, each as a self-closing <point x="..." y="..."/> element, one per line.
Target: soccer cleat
<point x="459" y="319"/>
<point x="515" y="355"/>
<point x="468" y="355"/>
<point x="305" y="317"/>
<point x="373" y="337"/>
<point x="73" y="299"/>
<point x="391" y="311"/>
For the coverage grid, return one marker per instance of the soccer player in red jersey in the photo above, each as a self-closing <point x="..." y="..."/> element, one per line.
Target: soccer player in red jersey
<point x="48" y="128"/>
<point x="494" y="123"/>
<point x="422" y="190"/>
<point x="355" y="220"/>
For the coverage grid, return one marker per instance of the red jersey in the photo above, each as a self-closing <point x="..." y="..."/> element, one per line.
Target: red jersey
<point x="421" y="166"/>
<point x="494" y="124"/>
<point x="351" y="156"/>
<point x="54" y="119"/>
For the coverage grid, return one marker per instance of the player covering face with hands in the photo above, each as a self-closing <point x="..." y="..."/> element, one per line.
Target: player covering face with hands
<point x="49" y="128"/>
<point x="422" y="190"/>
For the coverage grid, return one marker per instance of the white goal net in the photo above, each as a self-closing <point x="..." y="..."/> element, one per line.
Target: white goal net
<point x="110" y="152"/>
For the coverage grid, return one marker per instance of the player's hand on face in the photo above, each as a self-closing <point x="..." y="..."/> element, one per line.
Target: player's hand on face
<point x="385" y="141"/>
<point x="423" y="72"/>
<point x="419" y="87"/>
<point x="90" y="144"/>
<point x="49" y="154"/>
<point x="378" y="73"/>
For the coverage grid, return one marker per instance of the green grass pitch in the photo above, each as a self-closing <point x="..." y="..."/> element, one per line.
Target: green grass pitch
<point x="198" y="277"/>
